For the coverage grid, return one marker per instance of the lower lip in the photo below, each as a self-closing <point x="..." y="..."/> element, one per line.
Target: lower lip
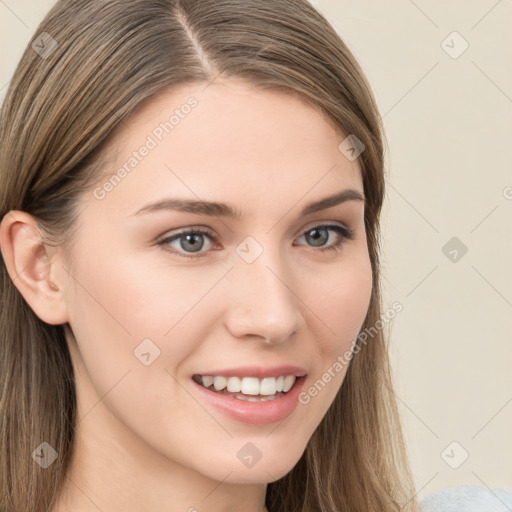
<point x="255" y="413"/>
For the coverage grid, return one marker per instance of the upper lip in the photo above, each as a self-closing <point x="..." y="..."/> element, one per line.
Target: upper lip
<point x="257" y="371"/>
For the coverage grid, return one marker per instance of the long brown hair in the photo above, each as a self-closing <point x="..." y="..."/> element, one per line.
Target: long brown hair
<point x="103" y="60"/>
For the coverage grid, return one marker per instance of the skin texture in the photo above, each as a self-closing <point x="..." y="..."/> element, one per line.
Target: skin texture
<point x="145" y="438"/>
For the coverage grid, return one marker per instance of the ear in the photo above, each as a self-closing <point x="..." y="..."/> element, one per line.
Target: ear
<point x="29" y="264"/>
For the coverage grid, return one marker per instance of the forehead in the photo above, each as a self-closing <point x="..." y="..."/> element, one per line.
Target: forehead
<point x="228" y="141"/>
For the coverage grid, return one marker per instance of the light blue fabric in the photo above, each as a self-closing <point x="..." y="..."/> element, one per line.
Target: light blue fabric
<point x="468" y="498"/>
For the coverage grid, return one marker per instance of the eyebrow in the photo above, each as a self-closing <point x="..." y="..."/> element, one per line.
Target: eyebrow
<point x="215" y="209"/>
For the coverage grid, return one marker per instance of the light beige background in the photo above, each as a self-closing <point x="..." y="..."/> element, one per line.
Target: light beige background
<point x="449" y="128"/>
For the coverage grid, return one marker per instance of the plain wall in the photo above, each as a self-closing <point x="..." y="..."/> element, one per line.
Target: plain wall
<point x="449" y="176"/>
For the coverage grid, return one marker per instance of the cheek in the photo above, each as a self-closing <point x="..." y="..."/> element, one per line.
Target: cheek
<point x="340" y="304"/>
<point x="122" y="310"/>
<point x="138" y="296"/>
<point x="126" y="308"/>
<point x="342" y="301"/>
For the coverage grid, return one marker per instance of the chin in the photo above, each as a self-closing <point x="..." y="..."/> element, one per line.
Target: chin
<point x="269" y="468"/>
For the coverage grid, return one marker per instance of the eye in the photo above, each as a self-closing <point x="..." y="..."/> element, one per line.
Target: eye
<point x="192" y="241"/>
<point x="319" y="235"/>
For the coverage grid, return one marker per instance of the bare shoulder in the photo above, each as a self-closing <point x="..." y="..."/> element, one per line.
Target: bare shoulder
<point x="468" y="498"/>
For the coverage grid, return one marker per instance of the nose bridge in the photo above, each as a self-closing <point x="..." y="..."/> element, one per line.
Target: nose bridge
<point x="262" y="302"/>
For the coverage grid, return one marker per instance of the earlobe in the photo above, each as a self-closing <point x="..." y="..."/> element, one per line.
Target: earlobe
<point x="31" y="268"/>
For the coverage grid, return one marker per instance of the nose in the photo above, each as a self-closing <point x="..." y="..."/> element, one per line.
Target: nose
<point x="262" y="301"/>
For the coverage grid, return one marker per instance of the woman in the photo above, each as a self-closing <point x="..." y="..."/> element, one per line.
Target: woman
<point x="191" y="320"/>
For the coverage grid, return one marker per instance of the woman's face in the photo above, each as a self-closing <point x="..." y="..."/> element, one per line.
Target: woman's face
<point x="150" y="307"/>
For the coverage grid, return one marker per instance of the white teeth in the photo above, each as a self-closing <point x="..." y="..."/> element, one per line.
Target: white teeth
<point x="250" y="385"/>
<point x="234" y="384"/>
<point x="288" y="382"/>
<point x="268" y="386"/>
<point x="219" y="383"/>
<point x="207" y="381"/>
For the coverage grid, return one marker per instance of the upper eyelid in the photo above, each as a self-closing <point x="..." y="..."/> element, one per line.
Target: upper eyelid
<point x="323" y="223"/>
<point x="308" y="227"/>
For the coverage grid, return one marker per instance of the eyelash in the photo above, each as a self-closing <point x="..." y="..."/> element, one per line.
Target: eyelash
<point x="345" y="233"/>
